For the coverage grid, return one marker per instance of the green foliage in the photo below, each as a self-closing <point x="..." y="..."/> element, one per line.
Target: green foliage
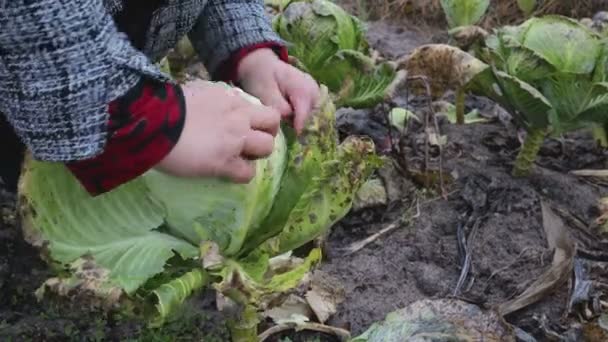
<point x="549" y="73"/>
<point x="330" y="45"/>
<point x="553" y="73"/>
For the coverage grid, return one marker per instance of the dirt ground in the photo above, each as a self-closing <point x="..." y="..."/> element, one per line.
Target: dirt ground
<point x="418" y="260"/>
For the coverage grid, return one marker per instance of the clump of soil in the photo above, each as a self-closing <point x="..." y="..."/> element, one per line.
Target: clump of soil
<point x="421" y="260"/>
<point x="509" y="251"/>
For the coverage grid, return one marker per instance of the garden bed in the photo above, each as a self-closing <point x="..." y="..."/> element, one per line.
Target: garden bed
<point x="419" y="259"/>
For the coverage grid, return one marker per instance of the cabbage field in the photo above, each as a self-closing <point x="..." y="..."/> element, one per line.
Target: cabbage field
<point x="452" y="186"/>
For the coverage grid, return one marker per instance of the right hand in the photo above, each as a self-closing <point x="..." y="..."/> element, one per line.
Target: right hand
<point x="223" y="133"/>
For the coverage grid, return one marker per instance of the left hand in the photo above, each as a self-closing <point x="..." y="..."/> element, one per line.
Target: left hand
<point x="277" y="84"/>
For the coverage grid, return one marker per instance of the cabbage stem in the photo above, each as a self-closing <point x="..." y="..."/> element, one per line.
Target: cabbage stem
<point x="460" y="96"/>
<point x="600" y="134"/>
<point x="243" y="325"/>
<point x="528" y="152"/>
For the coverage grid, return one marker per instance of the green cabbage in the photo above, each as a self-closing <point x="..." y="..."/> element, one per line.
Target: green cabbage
<point x="548" y="72"/>
<point x="162" y="238"/>
<point x="214" y="209"/>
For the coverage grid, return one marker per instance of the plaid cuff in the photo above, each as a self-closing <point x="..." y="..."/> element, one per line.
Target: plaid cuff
<point x="144" y="125"/>
<point x="228" y="72"/>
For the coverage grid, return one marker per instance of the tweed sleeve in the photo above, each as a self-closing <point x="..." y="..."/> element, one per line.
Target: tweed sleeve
<point x="228" y="26"/>
<point x="61" y="64"/>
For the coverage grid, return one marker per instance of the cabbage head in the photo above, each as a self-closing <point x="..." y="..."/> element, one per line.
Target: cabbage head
<point x="330" y="45"/>
<point x="153" y="242"/>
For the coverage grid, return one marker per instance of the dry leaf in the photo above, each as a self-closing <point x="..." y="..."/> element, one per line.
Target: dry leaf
<point x="293" y="310"/>
<point x="561" y="268"/>
<point x="446" y="67"/>
<point x="324" y="296"/>
<point x="371" y="194"/>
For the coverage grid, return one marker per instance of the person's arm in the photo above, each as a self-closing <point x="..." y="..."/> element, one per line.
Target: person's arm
<point x="77" y="92"/>
<point x="228" y="30"/>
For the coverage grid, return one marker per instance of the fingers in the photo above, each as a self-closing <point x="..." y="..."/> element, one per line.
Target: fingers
<point x="239" y="170"/>
<point x="278" y="102"/>
<point x="265" y="119"/>
<point x="304" y="101"/>
<point x="258" y="145"/>
<point x="303" y="108"/>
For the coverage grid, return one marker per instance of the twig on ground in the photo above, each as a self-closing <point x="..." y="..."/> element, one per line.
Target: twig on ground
<point x="590" y="173"/>
<point x="417" y="214"/>
<point x="398" y="223"/>
<point x="359" y="245"/>
<point x="343" y="335"/>
<point x="428" y="115"/>
<point x="465" y="244"/>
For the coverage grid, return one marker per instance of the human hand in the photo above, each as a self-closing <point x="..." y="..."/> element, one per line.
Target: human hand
<point x="222" y="134"/>
<point x="292" y="92"/>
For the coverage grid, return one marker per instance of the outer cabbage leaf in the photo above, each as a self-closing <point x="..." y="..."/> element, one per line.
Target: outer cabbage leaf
<point x="464" y="12"/>
<point x="506" y="53"/>
<point x="529" y="105"/>
<point x="116" y="229"/>
<point x="170" y="296"/>
<point x="329" y="196"/>
<point x="600" y="74"/>
<point x="253" y="281"/>
<point x="306" y="155"/>
<point x="569" y="46"/>
<point x="439" y="320"/>
<point x="525" y="65"/>
<point x="577" y="100"/>
<point x="596" y="109"/>
<point x="357" y="81"/>
<point x="446" y="67"/>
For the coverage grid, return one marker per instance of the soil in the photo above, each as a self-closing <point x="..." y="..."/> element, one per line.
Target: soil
<point x="418" y="260"/>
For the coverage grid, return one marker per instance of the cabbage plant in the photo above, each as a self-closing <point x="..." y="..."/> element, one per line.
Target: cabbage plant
<point x="462" y="17"/>
<point x="549" y="73"/>
<point x="330" y="45"/>
<point x="598" y="24"/>
<point x="153" y="242"/>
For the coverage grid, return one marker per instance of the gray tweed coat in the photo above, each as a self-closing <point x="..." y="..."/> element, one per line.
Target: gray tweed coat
<point x="63" y="61"/>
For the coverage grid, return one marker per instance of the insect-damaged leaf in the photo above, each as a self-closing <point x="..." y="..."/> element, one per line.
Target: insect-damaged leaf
<point x="440" y="320"/>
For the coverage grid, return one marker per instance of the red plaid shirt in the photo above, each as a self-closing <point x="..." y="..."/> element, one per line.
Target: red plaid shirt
<point x="143" y="127"/>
